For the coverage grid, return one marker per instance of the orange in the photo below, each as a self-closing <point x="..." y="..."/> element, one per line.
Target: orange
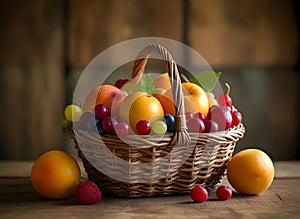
<point x="55" y="174"/>
<point x="162" y="81"/>
<point x="140" y="106"/>
<point x="166" y="103"/>
<point x="250" y="171"/>
<point x="195" y="99"/>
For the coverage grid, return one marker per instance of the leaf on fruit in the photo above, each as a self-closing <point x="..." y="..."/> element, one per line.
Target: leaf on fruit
<point x="206" y="79"/>
<point x="130" y="87"/>
<point x="147" y="84"/>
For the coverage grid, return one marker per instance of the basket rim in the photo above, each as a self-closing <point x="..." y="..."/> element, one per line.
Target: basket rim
<point x="236" y="131"/>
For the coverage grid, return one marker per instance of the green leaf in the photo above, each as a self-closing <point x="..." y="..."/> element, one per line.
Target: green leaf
<point x="130" y="87"/>
<point x="206" y="79"/>
<point x="147" y="84"/>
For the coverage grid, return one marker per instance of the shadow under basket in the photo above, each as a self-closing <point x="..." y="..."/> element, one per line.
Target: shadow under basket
<point x="203" y="162"/>
<point x="147" y="165"/>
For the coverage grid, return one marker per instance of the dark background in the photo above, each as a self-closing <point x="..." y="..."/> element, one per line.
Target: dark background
<point x="45" y="45"/>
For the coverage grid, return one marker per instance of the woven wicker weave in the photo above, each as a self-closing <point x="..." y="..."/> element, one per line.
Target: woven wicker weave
<point x="183" y="159"/>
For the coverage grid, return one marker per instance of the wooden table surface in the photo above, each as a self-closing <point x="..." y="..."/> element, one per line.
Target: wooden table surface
<point x="19" y="200"/>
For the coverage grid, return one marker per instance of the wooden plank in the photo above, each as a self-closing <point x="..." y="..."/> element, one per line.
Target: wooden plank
<point x="236" y="33"/>
<point x="281" y="200"/>
<point x="32" y="77"/>
<point x="96" y="25"/>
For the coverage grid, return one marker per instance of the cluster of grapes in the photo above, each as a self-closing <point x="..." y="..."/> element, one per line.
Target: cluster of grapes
<point x="220" y="117"/>
<point x="105" y="123"/>
<point x="101" y="119"/>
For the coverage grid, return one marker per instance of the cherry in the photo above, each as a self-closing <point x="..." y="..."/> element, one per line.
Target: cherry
<point x="231" y="108"/>
<point x="225" y="99"/>
<point x="200" y="116"/>
<point x="196" y="125"/>
<point x="143" y="127"/>
<point x="119" y="83"/>
<point x="210" y="126"/>
<point x="108" y="124"/>
<point x="236" y="118"/>
<point x="199" y="194"/>
<point x="189" y="116"/>
<point x="223" y="192"/>
<point x="122" y="128"/>
<point x="222" y="116"/>
<point x="101" y="111"/>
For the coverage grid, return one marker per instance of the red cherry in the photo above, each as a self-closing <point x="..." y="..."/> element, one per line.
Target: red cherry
<point x="143" y="127"/>
<point x="199" y="194"/>
<point x="196" y="125"/>
<point x="101" y="111"/>
<point x="200" y="116"/>
<point x="108" y="124"/>
<point x="119" y="83"/>
<point x="225" y="99"/>
<point x="231" y="108"/>
<point x="222" y="116"/>
<point x="210" y="126"/>
<point x="189" y="116"/>
<point x="236" y="118"/>
<point x="122" y="128"/>
<point x="223" y="192"/>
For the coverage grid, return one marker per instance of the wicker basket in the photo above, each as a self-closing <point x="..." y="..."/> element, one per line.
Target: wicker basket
<point x="182" y="159"/>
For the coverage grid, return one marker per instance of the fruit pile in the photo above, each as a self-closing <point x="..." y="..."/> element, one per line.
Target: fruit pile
<point x="148" y="108"/>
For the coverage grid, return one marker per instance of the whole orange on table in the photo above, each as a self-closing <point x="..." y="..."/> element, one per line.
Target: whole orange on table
<point x="55" y="174"/>
<point x="250" y="171"/>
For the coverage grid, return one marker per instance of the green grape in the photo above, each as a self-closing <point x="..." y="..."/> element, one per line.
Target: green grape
<point x="65" y="123"/>
<point x="159" y="127"/>
<point x="73" y="113"/>
<point x="211" y="99"/>
<point x="130" y="87"/>
<point x="210" y="95"/>
<point x="212" y="102"/>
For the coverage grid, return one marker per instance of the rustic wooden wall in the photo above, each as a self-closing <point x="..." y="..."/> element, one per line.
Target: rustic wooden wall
<point x="45" y="45"/>
<point x="244" y="33"/>
<point x="96" y="25"/>
<point x="32" y="77"/>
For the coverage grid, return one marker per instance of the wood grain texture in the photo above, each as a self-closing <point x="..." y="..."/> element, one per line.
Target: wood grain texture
<point x="237" y="33"/>
<point x="96" y="25"/>
<point x="281" y="200"/>
<point x="261" y="95"/>
<point x="32" y="77"/>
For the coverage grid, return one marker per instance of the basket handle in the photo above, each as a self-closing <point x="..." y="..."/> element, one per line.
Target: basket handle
<point x="181" y="136"/>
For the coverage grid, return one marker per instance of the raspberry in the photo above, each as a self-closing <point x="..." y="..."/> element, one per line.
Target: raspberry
<point x="199" y="194"/>
<point x="87" y="192"/>
<point x="223" y="193"/>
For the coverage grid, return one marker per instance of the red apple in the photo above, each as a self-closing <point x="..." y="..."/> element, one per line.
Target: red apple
<point x="104" y="94"/>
